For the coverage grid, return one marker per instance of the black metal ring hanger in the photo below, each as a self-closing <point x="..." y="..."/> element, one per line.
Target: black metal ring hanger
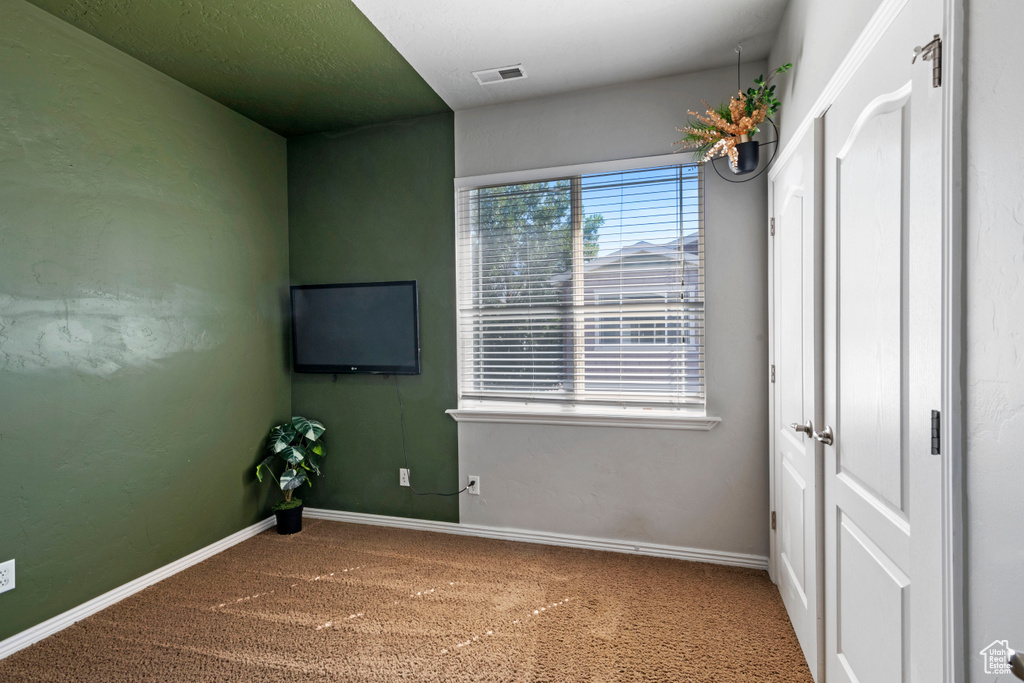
<point x="739" y="87"/>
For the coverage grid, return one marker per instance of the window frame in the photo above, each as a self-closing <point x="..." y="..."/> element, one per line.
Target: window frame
<point x="690" y="415"/>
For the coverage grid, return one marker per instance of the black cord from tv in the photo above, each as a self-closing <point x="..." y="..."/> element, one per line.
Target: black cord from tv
<point x="405" y="452"/>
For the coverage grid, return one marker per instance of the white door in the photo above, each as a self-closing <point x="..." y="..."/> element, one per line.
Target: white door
<point x="883" y="366"/>
<point x="796" y="352"/>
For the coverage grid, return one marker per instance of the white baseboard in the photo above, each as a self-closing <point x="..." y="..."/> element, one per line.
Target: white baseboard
<point x="546" y="538"/>
<point x="62" y="621"/>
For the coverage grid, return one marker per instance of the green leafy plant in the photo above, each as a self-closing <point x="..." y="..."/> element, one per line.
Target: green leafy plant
<point x="298" y="452"/>
<point x="763" y="95"/>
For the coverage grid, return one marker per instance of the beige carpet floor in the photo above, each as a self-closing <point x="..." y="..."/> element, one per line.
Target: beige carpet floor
<point x="344" y="602"/>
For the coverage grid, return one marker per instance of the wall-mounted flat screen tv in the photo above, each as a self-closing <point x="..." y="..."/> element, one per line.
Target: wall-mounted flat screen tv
<point x="368" y="327"/>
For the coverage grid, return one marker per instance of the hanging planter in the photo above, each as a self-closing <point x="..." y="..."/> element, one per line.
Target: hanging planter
<point x="727" y="130"/>
<point x="748" y="156"/>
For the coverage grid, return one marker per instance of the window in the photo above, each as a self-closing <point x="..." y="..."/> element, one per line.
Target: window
<point x="585" y="289"/>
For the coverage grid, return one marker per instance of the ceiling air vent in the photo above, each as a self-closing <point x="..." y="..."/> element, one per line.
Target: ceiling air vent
<point x="500" y="75"/>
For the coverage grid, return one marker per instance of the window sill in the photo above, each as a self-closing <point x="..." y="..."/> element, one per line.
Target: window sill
<point x="640" y="418"/>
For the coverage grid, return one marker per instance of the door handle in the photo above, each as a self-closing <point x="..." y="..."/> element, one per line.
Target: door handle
<point x="806" y="428"/>
<point x="826" y="437"/>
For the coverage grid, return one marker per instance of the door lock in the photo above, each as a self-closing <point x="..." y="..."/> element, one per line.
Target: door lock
<point x="806" y="428"/>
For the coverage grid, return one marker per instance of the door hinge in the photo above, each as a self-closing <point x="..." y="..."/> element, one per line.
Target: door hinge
<point x="936" y="423"/>
<point x="773" y="374"/>
<point x="773" y="520"/>
<point x="772" y="230"/>
<point x="931" y="52"/>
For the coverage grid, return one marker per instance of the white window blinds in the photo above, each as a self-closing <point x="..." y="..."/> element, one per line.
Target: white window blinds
<point x="584" y="289"/>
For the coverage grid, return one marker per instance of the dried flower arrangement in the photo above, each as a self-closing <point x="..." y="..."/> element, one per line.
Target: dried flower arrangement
<point x="717" y="132"/>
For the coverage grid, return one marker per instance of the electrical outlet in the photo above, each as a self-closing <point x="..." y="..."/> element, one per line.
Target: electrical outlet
<point x="473" y="485"/>
<point x="403" y="476"/>
<point x="7" y="576"/>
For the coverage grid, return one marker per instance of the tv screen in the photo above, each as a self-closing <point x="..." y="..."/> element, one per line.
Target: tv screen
<point x="370" y="327"/>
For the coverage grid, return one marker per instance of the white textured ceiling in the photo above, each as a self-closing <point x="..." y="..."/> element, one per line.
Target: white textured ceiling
<point x="568" y="44"/>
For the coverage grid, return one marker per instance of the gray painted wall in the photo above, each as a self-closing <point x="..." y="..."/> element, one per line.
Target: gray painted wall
<point x="994" y="314"/>
<point x="815" y="37"/>
<point x="143" y="261"/>
<point x="705" y="490"/>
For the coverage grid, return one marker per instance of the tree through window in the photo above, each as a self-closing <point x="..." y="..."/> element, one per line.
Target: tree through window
<point x="584" y="289"/>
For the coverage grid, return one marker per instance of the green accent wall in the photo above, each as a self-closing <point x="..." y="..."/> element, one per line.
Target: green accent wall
<point x="377" y="204"/>
<point x="143" y="279"/>
<point x="294" y="67"/>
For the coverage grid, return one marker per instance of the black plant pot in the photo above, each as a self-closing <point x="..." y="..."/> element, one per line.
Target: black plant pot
<point x="289" y="521"/>
<point x="749" y="156"/>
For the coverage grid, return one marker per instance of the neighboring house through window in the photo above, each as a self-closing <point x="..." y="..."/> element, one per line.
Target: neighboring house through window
<point x="586" y="288"/>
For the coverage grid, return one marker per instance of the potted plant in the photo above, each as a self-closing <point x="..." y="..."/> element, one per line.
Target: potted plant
<point x="297" y="451"/>
<point x="727" y="130"/>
